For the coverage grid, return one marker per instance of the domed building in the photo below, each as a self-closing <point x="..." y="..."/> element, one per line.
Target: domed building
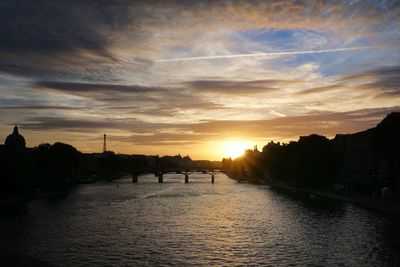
<point x="15" y="141"/>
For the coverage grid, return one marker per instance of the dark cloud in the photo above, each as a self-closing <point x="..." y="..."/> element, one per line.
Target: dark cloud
<point x="67" y="65"/>
<point x="386" y="87"/>
<point x="164" y="108"/>
<point x="39" y="107"/>
<point x="47" y="27"/>
<point x="83" y="88"/>
<point x="93" y="125"/>
<point x="321" y="89"/>
<point x="385" y="81"/>
<point x="54" y="123"/>
<point x="88" y="125"/>
<point x="45" y="37"/>
<point x="133" y="99"/>
<point x="373" y="73"/>
<point x="238" y="87"/>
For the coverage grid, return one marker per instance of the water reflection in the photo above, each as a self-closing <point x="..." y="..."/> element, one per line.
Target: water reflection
<point x="199" y="224"/>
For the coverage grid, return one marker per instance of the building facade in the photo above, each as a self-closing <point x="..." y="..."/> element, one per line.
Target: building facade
<point x="363" y="170"/>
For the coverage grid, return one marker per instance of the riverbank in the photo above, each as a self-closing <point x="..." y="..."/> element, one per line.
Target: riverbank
<point x="381" y="205"/>
<point x="377" y="204"/>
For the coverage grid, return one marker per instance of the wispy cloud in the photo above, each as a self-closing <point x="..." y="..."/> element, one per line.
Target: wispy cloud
<point x="270" y="54"/>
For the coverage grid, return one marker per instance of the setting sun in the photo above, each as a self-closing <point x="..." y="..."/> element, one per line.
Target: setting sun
<point x="234" y="149"/>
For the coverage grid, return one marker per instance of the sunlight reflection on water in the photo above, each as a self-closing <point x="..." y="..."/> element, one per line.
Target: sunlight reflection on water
<point x="199" y="223"/>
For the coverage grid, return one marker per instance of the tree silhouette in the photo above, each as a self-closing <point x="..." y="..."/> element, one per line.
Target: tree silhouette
<point x="64" y="163"/>
<point x="310" y="162"/>
<point x="317" y="162"/>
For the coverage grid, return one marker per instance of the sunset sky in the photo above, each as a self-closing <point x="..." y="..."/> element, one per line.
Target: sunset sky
<point x="192" y="77"/>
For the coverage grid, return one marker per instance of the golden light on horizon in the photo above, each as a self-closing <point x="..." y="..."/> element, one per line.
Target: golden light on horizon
<point x="234" y="149"/>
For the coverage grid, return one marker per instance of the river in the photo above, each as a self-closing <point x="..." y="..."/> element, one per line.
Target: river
<point x="200" y="223"/>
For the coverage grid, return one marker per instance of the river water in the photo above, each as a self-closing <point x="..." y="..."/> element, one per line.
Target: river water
<point x="226" y="223"/>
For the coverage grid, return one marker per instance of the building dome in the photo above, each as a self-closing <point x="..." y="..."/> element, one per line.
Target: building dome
<point x="15" y="141"/>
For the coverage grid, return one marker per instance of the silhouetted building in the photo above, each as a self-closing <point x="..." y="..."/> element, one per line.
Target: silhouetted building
<point x="15" y="141"/>
<point x="362" y="169"/>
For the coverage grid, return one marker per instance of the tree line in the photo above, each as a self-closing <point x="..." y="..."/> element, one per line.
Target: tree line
<point x="312" y="160"/>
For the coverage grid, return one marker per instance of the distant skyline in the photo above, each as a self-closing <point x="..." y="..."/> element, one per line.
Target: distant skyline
<point x="192" y="77"/>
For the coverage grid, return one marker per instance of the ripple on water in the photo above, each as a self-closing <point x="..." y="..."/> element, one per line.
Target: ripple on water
<point x="225" y="223"/>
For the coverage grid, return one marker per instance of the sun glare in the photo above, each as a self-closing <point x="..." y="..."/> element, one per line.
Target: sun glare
<point x="234" y="149"/>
